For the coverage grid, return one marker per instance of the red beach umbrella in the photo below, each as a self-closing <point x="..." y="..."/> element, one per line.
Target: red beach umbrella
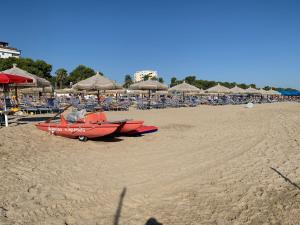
<point x="13" y="79"/>
<point x="6" y="79"/>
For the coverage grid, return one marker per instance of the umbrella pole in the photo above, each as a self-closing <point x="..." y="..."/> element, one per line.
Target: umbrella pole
<point x="5" y="114"/>
<point x="16" y="94"/>
<point x="98" y="96"/>
<point x="149" y="101"/>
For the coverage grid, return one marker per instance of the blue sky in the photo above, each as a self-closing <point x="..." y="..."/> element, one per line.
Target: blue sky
<point x="254" y="41"/>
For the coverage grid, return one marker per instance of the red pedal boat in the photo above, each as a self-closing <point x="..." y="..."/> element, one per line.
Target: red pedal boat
<point x="125" y="126"/>
<point x="82" y="131"/>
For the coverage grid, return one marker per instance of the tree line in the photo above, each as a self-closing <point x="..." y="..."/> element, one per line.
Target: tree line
<point x="62" y="78"/>
<point x="205" y="84"/>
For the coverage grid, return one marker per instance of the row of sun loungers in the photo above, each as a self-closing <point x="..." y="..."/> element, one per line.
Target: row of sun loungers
<point x="91" y="105"/>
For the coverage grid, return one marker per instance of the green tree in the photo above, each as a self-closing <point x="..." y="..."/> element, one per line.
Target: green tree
<point x="190" y="79"/>
<point x="146" y="77"/>
<point x="127" y="81"/>
<point x="244" y="86"/>
<point x="61" y="76"/>
<point x="38" y="67"/>
<point x="173" y="81"/>
<point x="81" y="72"/>
<point x="153" y="78"/>
<point x="161" y="80"/>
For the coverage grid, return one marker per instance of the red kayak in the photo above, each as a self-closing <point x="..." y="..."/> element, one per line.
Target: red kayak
<point x="83" y="131"/>
<point x="125" y="126"/>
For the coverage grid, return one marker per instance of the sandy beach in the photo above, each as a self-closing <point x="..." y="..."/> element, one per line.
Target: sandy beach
<point x="205" y="165"/>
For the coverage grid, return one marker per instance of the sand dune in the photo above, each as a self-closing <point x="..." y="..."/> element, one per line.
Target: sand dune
<point x="206" y="165"/>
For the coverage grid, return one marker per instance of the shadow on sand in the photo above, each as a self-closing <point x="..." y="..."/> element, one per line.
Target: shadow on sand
<point x="119" y="208"/>
<point x="108" y="139"/>
<point x="152" y="221"/>
<point x="285" y="178"/>
<point x="117" y="216"/>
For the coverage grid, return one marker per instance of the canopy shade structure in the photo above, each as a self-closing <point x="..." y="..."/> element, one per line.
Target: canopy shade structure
<point x="36" y="81"/>
<point x="96" y="83"/>
<point x="184" y="87"/>
<point x="201" y="91"/>
<point x="13" y="79"/>
<point x="263" y="92"/>
<point x="148" y="85"/>
<point x="218" y="89"/>
<point x="5" y="80"/>
<point x="273" y="92"/>
<point x="251" y="90"/>
<point x="289" y="93"/>
<point x="237" y="90"/>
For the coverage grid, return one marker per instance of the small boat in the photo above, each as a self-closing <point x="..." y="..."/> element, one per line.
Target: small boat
<point x="125" y="126"/>
<point x="82" y="131"/>
<point x="142" y="130"/>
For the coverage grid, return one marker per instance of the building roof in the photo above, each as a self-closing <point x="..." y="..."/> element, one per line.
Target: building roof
<point x="4" y="45"/>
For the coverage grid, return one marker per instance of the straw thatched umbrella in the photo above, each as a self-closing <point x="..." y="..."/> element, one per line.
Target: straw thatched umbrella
<point x="96" y="83"/>
<point x="263" y="92"/>
<point x="237" y="90"/>
<point x="37" y="81"/>
<point x="219" y="89"/>
<point x="184" y="88"/>
<point x="149" y="85"/>
<point x="251" y="90"/>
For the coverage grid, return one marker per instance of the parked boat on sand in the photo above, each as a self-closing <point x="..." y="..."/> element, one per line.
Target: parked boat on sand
<point x="82" y="131"/>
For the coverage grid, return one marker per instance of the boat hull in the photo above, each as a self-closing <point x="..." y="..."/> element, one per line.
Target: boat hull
<point x="142" y="130"/>
<point x="81" y="130"/>
<point x="129" y="126"/>
<point x="125" y="126"/>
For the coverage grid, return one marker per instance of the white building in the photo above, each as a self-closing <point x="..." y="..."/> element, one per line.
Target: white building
<point x="139" y="75"/>
<point x="6" y="51"/>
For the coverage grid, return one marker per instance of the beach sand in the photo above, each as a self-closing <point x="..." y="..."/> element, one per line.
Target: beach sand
<point x="205" y="165"/>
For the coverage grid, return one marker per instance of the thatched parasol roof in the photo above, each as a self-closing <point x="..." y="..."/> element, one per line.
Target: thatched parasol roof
<point x="252" y="90"/>
<point x="237" y="90"/>
<point x="96" y="82"/>
<point x="218" y="89"/>
<point x="263" y="92"/>
<point x="37" y="81"/>
<point x="148" y="85"/>
<point x="184" y="87"/>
